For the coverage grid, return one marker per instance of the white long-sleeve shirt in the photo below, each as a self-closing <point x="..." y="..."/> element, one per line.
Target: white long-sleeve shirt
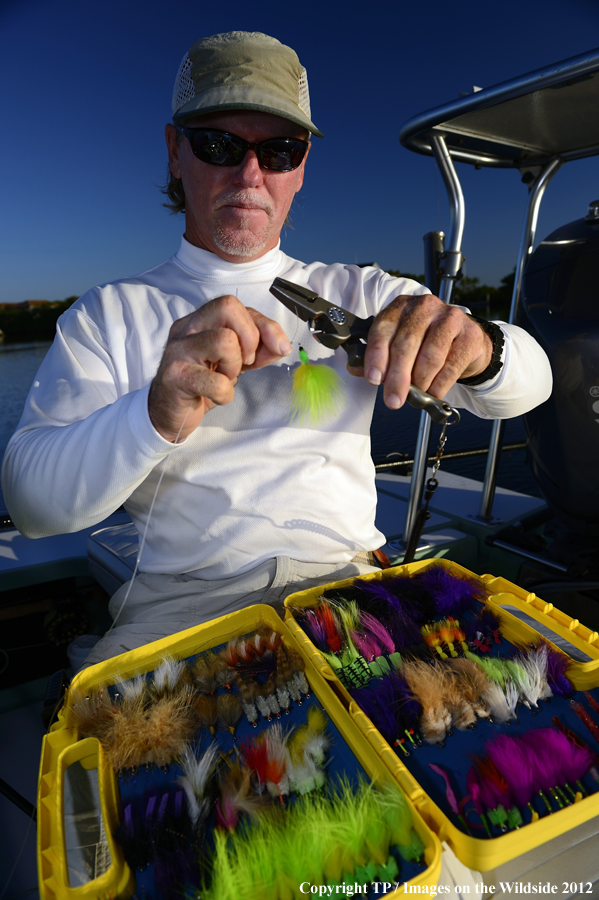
<point x="246" y="485"/>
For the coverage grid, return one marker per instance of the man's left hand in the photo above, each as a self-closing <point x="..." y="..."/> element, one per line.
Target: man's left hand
<point x="423" y="341"/>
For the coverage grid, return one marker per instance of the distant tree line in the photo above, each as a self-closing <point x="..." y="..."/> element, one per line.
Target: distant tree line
<point x="38" y="323"/>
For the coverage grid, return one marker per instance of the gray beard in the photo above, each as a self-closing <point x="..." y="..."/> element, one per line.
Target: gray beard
<point x="241" y="242"/>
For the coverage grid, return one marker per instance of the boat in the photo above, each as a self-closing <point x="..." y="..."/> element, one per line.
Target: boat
<point x="56" y="588"/>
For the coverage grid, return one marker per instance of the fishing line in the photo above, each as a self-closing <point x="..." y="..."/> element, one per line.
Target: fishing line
<point x="143" y="537"/>
<point x="142" y="544"/>
<point x="293" y="338"/>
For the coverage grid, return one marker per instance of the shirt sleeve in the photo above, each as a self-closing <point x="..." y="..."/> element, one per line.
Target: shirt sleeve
<point x="524" y="381"/>
<point x="81" y="448"/>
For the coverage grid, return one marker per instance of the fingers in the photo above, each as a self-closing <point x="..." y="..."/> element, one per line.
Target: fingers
<point x="224" y="312"/>
<point x="470" y="353"/>
<point x="202" y="365"/>
<point x="423" y="341"/>
<point x="273" y="341"/>
<point x="443" y="353"/>
<point x="205" y="353"/>
<point x="187" y="383"/>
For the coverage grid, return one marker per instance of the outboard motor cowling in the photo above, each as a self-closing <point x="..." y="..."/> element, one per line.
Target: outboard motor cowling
<point x="560" y="308"/>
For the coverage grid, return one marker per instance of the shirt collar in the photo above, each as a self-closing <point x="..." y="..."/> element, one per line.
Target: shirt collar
<point x="208" y="265"/>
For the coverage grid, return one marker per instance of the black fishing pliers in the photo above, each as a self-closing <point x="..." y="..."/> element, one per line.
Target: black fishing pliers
<point x="335" y="327"/>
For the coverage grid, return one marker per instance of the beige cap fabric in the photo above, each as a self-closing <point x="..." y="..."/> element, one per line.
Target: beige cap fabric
<point x="242" y="70"/>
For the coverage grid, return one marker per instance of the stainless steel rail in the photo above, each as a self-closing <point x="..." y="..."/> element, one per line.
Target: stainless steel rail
<point x="537" y="189"/>
<point x="528" y="554"/>
<point x="452" y="263"/>
<point x="457" y="217"/>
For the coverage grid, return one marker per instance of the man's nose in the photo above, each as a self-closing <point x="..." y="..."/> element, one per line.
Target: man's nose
<point x="248" y="172"/>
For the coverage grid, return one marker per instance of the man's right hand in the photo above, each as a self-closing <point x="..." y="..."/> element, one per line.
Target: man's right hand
<point x="205" y="353"/>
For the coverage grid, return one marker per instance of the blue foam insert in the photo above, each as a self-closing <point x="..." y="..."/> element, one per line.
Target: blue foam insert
<point x="455" y="756"/>
<point x="341" y="763"/>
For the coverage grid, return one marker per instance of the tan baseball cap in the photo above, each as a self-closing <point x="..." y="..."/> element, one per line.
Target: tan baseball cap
<point x="242" y="70"/>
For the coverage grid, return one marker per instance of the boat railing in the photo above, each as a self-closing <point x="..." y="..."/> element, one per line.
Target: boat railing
<point x="533" y="124"/>
<point x="443" y="276"/>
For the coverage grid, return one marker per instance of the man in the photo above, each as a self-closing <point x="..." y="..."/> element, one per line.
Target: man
<point x="169" y="392"/>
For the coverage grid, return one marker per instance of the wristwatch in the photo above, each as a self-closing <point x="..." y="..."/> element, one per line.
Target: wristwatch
<point x="497" y="339"/>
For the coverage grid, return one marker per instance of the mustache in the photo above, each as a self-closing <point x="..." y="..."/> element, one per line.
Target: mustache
<point x="244" y="199"/>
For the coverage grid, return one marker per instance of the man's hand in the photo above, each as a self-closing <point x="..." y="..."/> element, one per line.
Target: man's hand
<point x="205" y="353"/>
<point x="420" y="339"/>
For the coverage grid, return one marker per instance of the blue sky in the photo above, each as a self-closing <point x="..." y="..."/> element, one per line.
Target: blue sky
<point x="86" y="93"/>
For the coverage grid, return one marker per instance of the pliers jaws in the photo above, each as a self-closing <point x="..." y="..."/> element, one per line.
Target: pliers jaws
<point x="331" y="325"/>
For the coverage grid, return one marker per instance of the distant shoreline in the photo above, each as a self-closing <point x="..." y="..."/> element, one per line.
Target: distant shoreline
<point x="33" y="322"/>
<point x="7" y="346"/>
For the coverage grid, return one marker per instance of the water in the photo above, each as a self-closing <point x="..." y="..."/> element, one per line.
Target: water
<point x="18" y="365"/>
<point x="392" y="431"/>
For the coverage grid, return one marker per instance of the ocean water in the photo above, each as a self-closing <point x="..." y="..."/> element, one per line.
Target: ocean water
<point x="18" y="365"/>
<point x="393" y="431"/>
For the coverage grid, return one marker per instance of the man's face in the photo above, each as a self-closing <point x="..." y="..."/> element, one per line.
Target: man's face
<point x="236" y="212"/>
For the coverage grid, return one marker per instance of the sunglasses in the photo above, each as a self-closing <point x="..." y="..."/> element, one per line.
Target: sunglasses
<point x="219" y="148"/>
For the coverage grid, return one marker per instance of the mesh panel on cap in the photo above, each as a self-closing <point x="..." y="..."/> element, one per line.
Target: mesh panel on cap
<point x="184" y="88"/>
<point x="304" y="95"/>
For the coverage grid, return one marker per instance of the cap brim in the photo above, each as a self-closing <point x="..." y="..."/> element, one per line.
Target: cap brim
<point x="239" y="96"/>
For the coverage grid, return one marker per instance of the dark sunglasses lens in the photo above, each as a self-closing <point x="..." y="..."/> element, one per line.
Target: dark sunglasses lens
<point x="282" y="154"/>
<point x="217" y="148"/>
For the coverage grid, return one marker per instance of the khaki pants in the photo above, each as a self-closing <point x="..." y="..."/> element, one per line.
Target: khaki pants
<point x="156" y="606"/>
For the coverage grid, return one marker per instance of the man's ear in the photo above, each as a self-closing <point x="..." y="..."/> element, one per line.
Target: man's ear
<point x="172" y="142"/>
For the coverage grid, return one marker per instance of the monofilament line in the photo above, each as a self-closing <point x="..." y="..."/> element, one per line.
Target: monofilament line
<point x="142" y="543"/>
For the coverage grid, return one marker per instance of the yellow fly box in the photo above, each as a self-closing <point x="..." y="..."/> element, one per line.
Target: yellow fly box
<point x="79" y="855"/>
<point x="434" y="776"/>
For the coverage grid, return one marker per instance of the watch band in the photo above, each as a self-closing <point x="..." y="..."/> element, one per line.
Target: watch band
<point x="498" y="341"/>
